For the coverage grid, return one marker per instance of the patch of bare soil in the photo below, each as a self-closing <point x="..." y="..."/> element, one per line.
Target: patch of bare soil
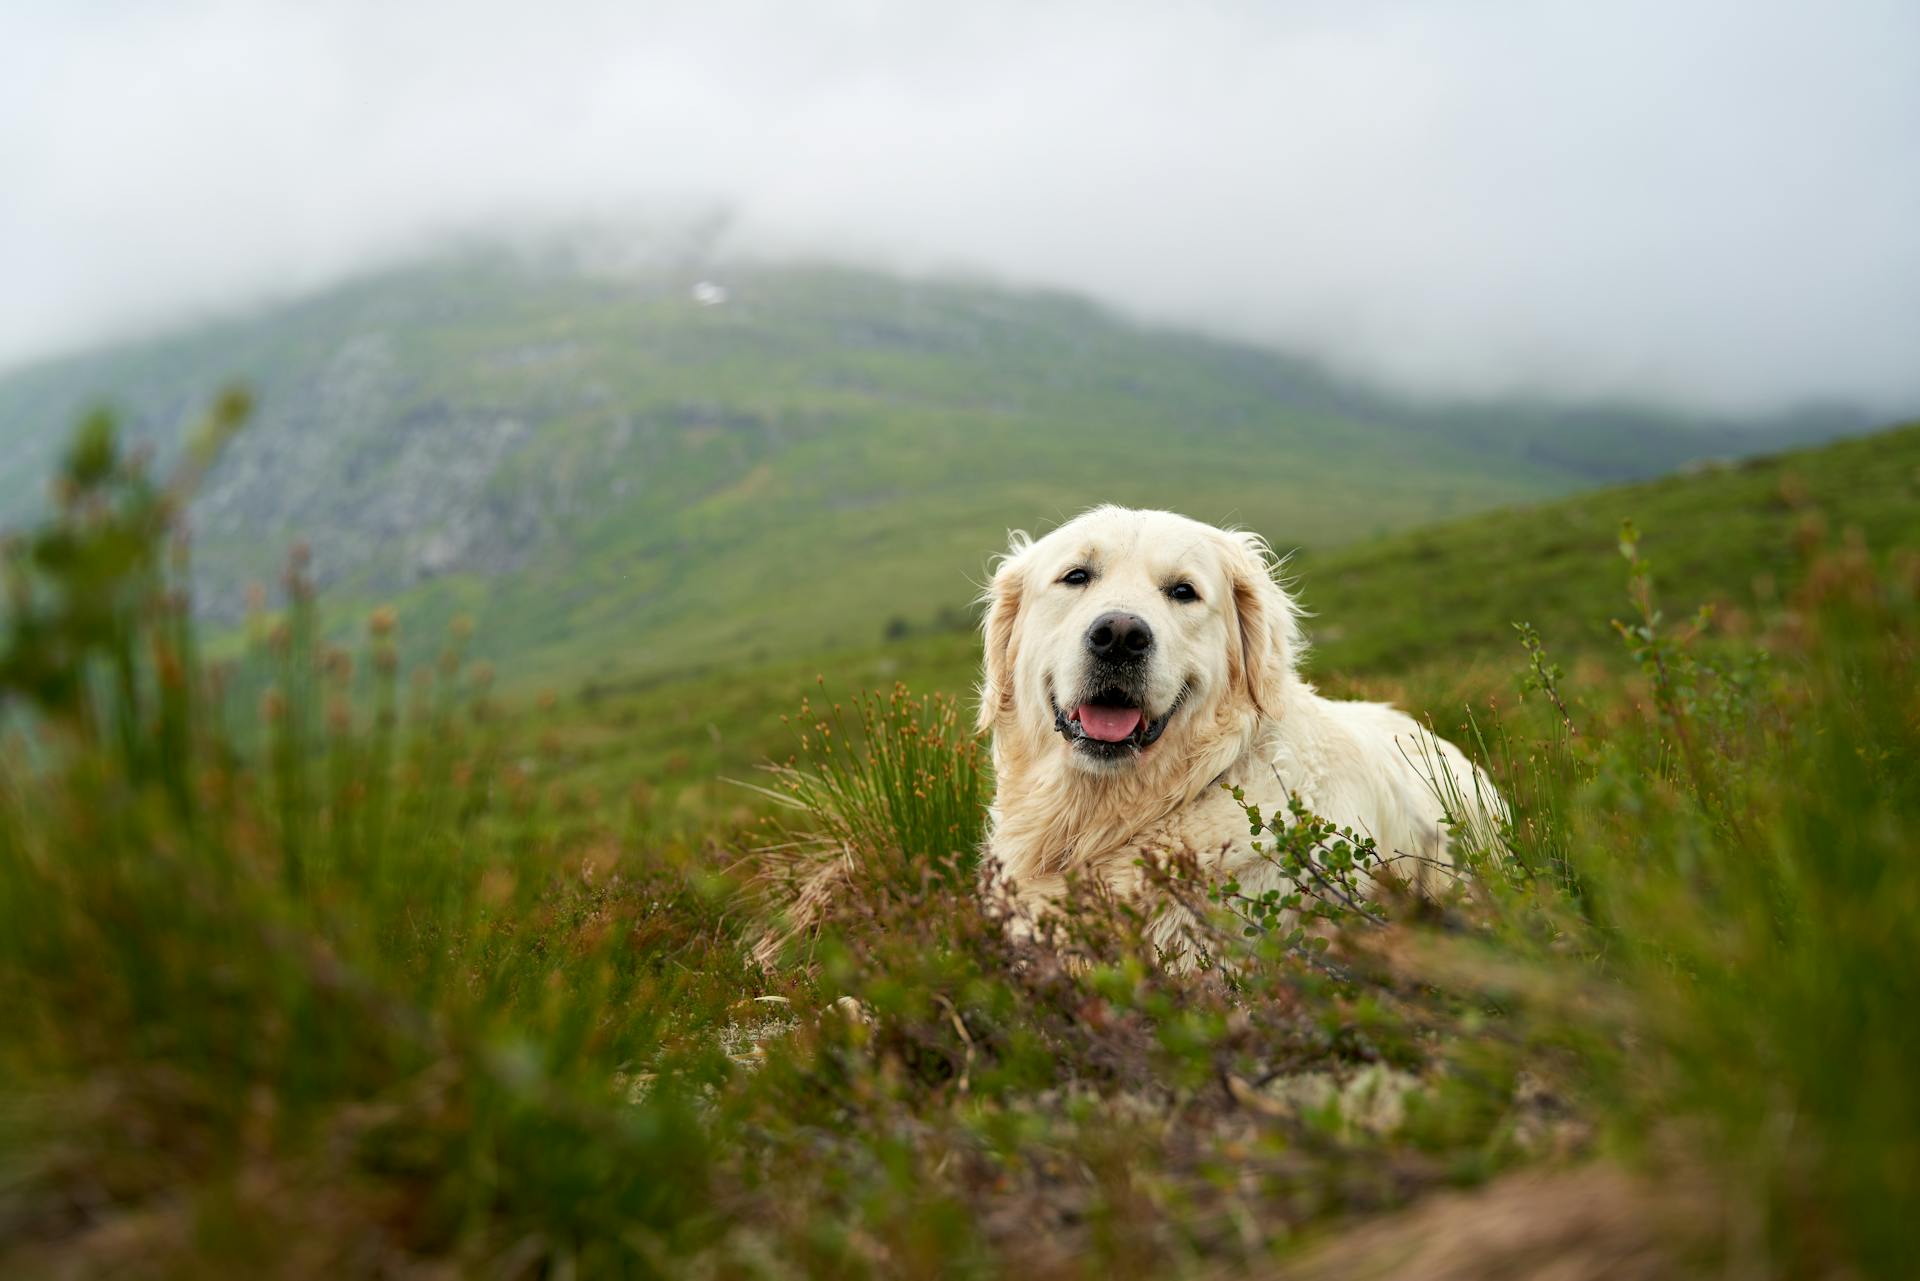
<point x="1593" y="1223"/>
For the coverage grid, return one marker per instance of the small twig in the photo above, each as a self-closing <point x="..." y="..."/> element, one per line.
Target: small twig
<point x="1330" y="888"/>
<point x="960" y="1026"/>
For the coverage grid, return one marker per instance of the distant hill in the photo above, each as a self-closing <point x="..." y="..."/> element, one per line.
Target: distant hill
<point x="644" y="470"/>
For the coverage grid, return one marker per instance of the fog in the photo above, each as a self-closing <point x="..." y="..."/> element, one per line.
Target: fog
<point x="1707" y="204"/>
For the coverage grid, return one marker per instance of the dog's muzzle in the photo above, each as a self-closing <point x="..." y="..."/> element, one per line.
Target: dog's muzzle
<point x="1110" y="725"/>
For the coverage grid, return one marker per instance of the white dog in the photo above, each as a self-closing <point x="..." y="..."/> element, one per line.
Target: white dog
<point x="1138" y="660"/>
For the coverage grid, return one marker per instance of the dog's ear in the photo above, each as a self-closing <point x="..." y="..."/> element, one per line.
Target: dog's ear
<point x="1267" y="620"/>
<point x="1002" y="602"/>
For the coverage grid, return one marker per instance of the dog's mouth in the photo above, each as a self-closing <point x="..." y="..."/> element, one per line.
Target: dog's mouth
<point x="1111" y="724"/>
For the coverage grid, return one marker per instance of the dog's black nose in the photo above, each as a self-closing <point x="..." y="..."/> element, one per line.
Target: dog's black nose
<point x="1117" y="637"/>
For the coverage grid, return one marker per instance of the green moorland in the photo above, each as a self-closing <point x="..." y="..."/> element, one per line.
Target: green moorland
<point x="376" y="995"/>
<point x="1425" y="618"/>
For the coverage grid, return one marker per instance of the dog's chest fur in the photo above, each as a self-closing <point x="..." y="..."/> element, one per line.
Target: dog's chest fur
<point x="1357" y="765"/>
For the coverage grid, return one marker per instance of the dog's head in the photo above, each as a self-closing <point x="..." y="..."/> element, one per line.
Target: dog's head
<point x="1124" y="634"/>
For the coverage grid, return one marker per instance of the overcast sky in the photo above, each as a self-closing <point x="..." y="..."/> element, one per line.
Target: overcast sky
<point x="1707" y="203"/>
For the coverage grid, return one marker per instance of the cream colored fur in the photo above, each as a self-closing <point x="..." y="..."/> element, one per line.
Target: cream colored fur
<point x="1247" y="719"/>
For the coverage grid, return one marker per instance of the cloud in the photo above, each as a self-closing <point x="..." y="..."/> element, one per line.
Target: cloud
<point x="1714" y="204"/>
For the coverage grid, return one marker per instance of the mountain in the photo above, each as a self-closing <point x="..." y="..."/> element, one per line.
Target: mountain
<point x="628" y="470"/>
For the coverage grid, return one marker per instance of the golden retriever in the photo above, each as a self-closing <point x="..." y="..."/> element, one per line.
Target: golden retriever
<point x="1136" y="661"/>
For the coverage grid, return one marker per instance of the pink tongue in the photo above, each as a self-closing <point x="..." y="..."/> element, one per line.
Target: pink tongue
<point x="1109" y="724"/>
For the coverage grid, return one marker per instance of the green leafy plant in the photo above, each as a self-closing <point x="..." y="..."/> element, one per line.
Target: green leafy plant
<point x="1328" y="865"/>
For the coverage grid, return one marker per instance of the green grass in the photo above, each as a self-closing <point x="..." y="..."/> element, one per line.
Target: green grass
<point x="360" y="979"/>
<point x="1727" y="535"/>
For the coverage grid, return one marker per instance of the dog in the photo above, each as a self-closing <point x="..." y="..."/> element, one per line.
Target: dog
<point x="1137" y="665"/>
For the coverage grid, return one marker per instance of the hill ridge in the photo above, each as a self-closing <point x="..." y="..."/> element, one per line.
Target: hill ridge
<point x="598" y="464"/>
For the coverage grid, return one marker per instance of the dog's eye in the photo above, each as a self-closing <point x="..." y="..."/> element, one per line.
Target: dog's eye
<point x="1183" y="592"/>
<point x="1076" y="578"/>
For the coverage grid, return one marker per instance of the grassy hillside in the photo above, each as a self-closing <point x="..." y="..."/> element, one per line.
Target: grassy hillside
<point x="611" y="478"/>
<point x="1729" y="535"/>
<point x="375" y="996"/>
<point x="1427" y="614"/>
